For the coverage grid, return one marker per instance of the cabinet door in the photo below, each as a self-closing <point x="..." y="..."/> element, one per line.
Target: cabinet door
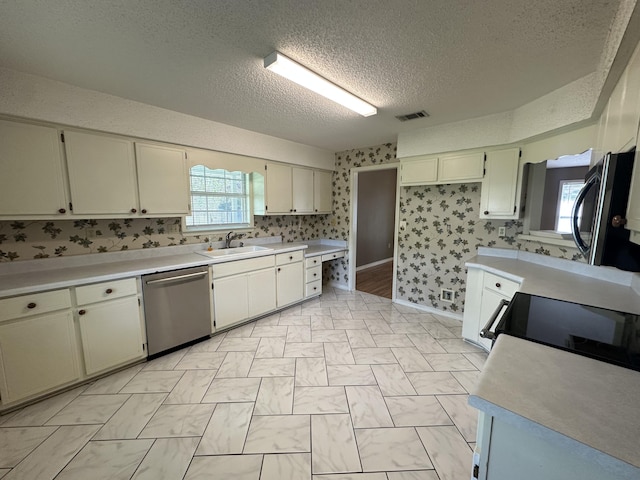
<point x="262" y="292"/>
<point x="163" y="180"/>
<point x="31" y="178"/>
<point x="461" y="168"/>
<point x="37" y="354"/>
<point x="278" y="188"/>
<point x="490" y="301"/>
<point x="111" y="333"/>
<point x="230" y="300"/>
<point x="472" y="305"/>
<point x="289" y="283"/>
<point x="500" y="185"/>
<point x="102" y="174"/>
<point x="322" y="192"/>
<point x="302" y="190"/>
<point x="419" y="172"/>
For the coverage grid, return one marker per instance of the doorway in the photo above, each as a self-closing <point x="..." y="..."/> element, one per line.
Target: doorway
<point x="374" y="199"/>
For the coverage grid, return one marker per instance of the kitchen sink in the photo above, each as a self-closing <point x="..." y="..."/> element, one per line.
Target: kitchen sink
<point x="227" y="252"/>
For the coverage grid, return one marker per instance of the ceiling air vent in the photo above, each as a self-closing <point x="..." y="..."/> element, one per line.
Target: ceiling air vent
<point x="412" y="116"/>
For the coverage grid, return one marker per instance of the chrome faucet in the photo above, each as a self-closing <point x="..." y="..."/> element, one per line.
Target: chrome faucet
<point x="231" y="236"/>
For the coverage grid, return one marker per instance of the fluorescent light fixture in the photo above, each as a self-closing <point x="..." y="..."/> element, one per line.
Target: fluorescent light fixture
<point x="278" y="63"/>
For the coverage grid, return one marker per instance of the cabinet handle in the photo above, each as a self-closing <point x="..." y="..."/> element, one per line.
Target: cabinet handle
<point x="315" y="288"/>
<point x="279" y="269"/>
<point x="295" y="210"/>
<point x="81" y="312"/>
<point x="316" y="209"/>
<point x="290" y="257"/>
<point x="133" y="210"/>
<point x="31" y="305"/>
<point x="62" y="210"/>
<point x="108" y="291"/>
<point x="144" y="210"/>
<point x="315" y="261"/>
<point x="315" y="274"/>
<point x="498" y="285"/>
<point x="486" y="212"/>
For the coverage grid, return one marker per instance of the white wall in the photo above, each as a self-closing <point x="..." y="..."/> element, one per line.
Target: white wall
<point x="38" y="98"/>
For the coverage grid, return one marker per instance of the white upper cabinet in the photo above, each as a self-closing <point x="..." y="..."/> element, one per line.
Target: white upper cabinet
<point x="278" y="189"/>
<point x="302" y="190"/>
<point x="31" y="172"/>
<point x="499" y="194"/>
<point x="468" y="167"/>
<point x="102" y="174"/>
<point x="163" y="179"/>
<point x="322" y="192"/>
<point x="429" y="170"/>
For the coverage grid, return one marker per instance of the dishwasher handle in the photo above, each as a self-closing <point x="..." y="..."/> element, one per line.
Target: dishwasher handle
<point x="486" y="331"/>
<point x="177" y="277"/>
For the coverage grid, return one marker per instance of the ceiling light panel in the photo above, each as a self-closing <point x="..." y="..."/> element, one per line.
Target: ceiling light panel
<point x="278" y="63"/>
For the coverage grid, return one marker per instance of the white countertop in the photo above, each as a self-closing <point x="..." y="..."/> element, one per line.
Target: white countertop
<point x="587" y="405"/>
<point x="565" y="280"/>
<point x="27" y="278"/>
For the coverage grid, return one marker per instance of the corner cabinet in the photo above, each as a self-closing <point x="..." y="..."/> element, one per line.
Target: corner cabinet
<point x="31" y="171"/>
<point x="500" y="193"/>
<point x="431" y="170"/>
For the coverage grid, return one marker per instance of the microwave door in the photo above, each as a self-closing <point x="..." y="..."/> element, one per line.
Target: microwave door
<point x="584" y="210"/>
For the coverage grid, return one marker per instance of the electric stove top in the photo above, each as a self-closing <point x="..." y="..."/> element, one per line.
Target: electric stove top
<point x="607" y="335"/>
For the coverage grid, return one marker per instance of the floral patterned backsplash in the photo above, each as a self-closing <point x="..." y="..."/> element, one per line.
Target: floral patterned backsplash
<point x="24" y="240"/>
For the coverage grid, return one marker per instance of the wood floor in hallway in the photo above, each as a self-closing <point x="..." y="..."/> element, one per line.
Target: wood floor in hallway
<point x="376" y="280"/>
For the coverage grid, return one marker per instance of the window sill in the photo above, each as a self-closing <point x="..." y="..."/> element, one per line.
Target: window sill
<point x="223" y="230"/>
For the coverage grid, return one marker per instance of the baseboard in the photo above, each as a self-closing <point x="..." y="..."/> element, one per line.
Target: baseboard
<point x="340" y="285"/>
<point x="374" y="264"/>
<point x="424" y="308"/>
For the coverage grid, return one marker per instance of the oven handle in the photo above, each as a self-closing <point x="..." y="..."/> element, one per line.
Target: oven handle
<point x="177" y="277"/>
<point x="486" y="331"/>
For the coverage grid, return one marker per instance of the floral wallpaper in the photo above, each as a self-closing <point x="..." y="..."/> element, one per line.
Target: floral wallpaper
<point x="443" y="232"/>
<point x="24" y="240"/>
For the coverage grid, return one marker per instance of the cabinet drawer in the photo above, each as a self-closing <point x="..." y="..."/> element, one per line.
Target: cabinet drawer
<point x="34" y="304"/>
<point x="332" y="256"/>
<point x="501" y="285"/>
<point x="242" y="266"/>
<point x="313" y="288"/>
<point x="289" y="257"/>
<point x="313" y="261"/>
<point x="99" y="292"/>
<point x="313" y="274"/>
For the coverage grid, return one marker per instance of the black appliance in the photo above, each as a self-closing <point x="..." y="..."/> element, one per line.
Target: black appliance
<point x="599" y="231"/>
<point x="607" y="335"/>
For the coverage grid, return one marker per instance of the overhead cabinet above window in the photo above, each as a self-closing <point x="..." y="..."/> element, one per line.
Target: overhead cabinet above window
<point x="430" y="170"/>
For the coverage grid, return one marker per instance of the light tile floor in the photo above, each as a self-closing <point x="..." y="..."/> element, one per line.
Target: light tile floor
<point x="344" y="387"/>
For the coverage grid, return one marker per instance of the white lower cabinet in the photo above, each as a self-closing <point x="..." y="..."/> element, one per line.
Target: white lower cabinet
<point x="289" y="278"/>
<point x="262" y="292"/>
<point x="485" y="291"/>
<point x="230" y="300"/>
<point x="37" y="354"/>
<point x="111" y="333"/>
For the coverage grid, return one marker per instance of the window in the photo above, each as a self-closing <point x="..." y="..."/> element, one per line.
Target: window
<point x="219" y="199"/>
<point x="567" y="194"/>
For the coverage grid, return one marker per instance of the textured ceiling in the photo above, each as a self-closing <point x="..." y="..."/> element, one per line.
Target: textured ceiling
<point x="456" y="59"/>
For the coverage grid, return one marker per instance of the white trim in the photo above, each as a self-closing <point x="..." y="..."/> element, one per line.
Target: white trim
<point x="374" y="264"/>
<point x="353" y="224"/>
<point x="424" y="308"/>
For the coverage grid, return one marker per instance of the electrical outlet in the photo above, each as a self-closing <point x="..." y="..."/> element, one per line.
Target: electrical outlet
<point x="403" y="224"/>
<point x="502" y="231"/>
<point x="446" y="295"/>
<point x="173" y="228"/>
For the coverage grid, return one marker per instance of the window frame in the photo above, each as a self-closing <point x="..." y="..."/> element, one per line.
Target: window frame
<point x="561" y="185"/>
<point x="223" y="227"/>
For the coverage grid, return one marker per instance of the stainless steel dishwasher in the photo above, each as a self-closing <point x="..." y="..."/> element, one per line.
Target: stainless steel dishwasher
<point x="176" y="307"/>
